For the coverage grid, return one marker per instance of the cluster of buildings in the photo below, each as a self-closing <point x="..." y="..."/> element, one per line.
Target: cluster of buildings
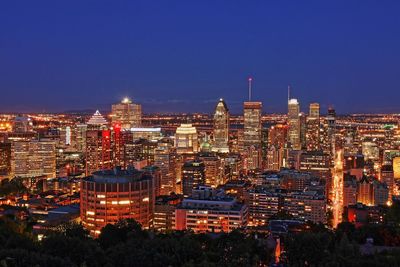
<point x="205" y="173"/>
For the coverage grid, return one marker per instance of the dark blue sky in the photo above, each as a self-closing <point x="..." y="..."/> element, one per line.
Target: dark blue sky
<point x="184" y="55"/>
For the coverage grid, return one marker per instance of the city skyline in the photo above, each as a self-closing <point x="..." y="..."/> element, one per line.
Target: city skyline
<point x="184" y="57"/>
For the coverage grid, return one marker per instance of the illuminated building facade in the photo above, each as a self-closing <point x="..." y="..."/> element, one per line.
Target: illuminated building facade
<point x="165" y="158"/>
<point x="213" y="169"/>
<point x="186" y="139"/>
<point x="209" y="210"/>
<point x="277" y="135"/>
<point x="316" y="162"/>
<point x="112" y="195"/>
<point x="387" y="177"/>
<point x="312" y="132"/>
<point x="264" y="202"/>
<point x="33" y="159"/>
<point x="252" y="124"/>
<point x="164" y="212"/>
<point x="127" y="114"/>
<point x="151" y="134"/>
<point x="98" y="150"/>
<point x="193" y="175"/>
<point x="365" y="191"/>
<point x="5" y="160"/>
<point x="221" y="128"/>
<point x="294" y="124"/>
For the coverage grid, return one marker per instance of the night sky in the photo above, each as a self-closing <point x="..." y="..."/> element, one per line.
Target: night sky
<point x="175" y="56"/>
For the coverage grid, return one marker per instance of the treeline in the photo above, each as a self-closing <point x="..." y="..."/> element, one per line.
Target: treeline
<point x="126" y="244"/>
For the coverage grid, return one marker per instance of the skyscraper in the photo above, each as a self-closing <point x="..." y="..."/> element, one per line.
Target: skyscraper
<point x="252" y="134"/>
<point x="186" y="139"/>
<point x="127" y="114"/>
<point x="294" y="124"/>
<point x="252" y="124"/>
<point x="165" y="158"/>
<point x="98" y="150"/>
<point x="331" y="131"/>
<point x="33" y="159"/>
<point x="98" y="144"/>
<point x="221" y="128"/>
<point x="312" y="134"/>
<point x="193" y="175"/>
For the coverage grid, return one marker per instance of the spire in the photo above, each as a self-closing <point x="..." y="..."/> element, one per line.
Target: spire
<point x="288" y="93"/>
<point x="250" y="80"/>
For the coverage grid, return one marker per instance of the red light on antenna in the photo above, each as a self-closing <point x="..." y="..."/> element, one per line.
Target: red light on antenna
<point x="250" y="79"/>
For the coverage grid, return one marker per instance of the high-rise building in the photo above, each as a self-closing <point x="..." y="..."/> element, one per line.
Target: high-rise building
<point x="165" y="158"/>
<point x="221" y="128"/>
<point x="193" y="175"/>
<point x="33" y="159"/>
<point x="294" y="124"/>
<point x="213" y="169"/>
<point x="330" y="145"/>
<point x="186" y="139"/>
<point x="252" y="135"/>
<point x="127" y="114"/>
<point x="112" y="195"/>
<point x="252" y="124"/>
<point x="312" y="132"/>
<point x="5" y="160"/>
<point x="387" y="176"/>
<point x="98" y="150"/>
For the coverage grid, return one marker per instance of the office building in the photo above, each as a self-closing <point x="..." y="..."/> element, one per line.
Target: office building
<point x="252" y="124"/>
<point x="210" y="210"/>
<point x="109" y="196"/>
<point x="127" y="114"/>
<point x="294" y="133"/>
<point x="193" y="175"/>
<point x="312" y="131"/>
<point x="5" y="160"/>
<point x="186" y="139"/>
<point x="165" y="158"/>
<point x="98" y="150"/>
<point x="221" y="128"/>
<point x="36" y="158"/>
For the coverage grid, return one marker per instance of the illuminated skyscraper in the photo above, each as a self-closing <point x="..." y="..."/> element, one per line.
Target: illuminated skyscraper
<point x="98" y="144"/>
<point x="331" y="131"/>
<point x="193" y="175"/>
<point x="186" y="139"/>
<point x="294" y="124"/>
<point x="252" y="124"/>
<point x="127" y="114"/>
<point x="312" y="134"/>
<point x="33" y="159"/>
<point x="98" y="150"/>
<point x="165" y="158"/>
<point x="5" y="160"/>
<point x="221" y="128"/>
<point x="252" y="135"/>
